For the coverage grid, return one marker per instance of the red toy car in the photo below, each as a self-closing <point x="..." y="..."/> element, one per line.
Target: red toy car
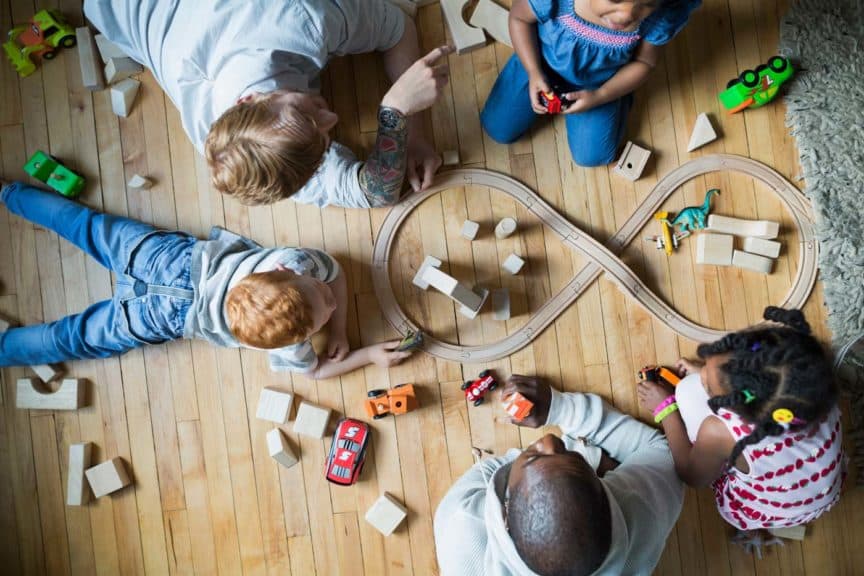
<point x="347" y="452"/>
<point x="554" y="103"/>
<point x="476" y="390"/>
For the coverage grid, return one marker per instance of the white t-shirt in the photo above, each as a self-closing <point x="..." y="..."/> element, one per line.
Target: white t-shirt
<point x="206" y="54"/>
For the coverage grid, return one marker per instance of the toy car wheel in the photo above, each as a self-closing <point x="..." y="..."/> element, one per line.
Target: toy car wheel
<point x="68" y="41"/>
<point x="478" y="402"/>
<point x="49" y="55"/>
<point x="760" y="68"/>
<point x="732" y="82"/>
<point x="777" y="64"/>
<point x="484" y="373"/>
<point x="375" y="393"/>
<point x="749" y="78"/>
<point x="379" y="416"/>
<point x="493" y="386"/>
<point x="465" y="385"/>
<point x="400" y="385"/>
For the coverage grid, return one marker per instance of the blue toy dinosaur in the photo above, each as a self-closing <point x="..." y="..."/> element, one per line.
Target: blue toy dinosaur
<point x="693" y="217"/>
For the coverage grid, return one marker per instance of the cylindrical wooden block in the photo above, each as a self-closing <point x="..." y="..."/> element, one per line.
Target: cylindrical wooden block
<point x="505" y="228"/>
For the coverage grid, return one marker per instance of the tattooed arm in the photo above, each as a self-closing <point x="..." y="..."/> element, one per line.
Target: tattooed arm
<point x="382" y="175"/>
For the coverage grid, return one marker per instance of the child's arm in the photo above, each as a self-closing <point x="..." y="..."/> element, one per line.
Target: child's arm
<point x="337" y="339"/>
<point x="523" y="33"/>
<point x="384" y="355"/>
<point x="625" y="81"/>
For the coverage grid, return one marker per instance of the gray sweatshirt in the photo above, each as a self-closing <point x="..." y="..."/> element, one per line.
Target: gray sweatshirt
<point x="644" y="492"/>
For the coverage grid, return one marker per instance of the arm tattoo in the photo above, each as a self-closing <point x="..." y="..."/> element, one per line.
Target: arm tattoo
<point x="382" y="175"/>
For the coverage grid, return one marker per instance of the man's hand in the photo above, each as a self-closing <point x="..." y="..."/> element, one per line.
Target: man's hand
<point x="580" y="101"/>
<point x="420" y="85"/>
<point x="386" y="355"/>
<point x="423" y="163"/>
<point x="537" y="391"/>
<point x="337" y="347"/>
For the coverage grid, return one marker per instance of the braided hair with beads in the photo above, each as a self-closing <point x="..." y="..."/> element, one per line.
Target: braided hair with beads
<point x="772" y="368"/>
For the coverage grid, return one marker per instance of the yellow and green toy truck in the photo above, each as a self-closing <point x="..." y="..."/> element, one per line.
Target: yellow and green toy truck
<point x="755" y="88"/>
<point x="40" y="38"/>
<point x="46" y="169"/>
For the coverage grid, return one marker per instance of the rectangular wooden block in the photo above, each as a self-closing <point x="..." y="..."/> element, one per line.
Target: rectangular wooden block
<point x="420" y="277"/>
<point x="108" y="477"/>
<point x="494" y="19"/>
<point x="714" y="249"/>
<point x="121" y="68"/>
<point x="29" y="396"/>
<point x="768" y="248"/>
<point x="108" y="49"/>
<point x="77" y="492"/>
<point x="736" y="226"/>
<point x="47" y="372"/>
<point x="386" y="514"/>
<point x="501" y="304"/>
<point x="274" y="405"/>
<point x="88" y="58"/>
<point x="513" y="264"/>
<point x="752" y="262"/>
<point x="123" y="96"/>
<point x="279" y="450"/>
<point x="470" y="229"/>
<point x="790" y="532"/>
<point x="311" y="420"/>
<point x="632" y="161"/>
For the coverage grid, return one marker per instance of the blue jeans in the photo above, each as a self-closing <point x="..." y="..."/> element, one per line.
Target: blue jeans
<point x="153" y="293"/>
<point x="593" y="135"/>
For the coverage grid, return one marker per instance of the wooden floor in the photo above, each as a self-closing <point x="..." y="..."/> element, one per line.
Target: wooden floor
<point x="207" y="498"/>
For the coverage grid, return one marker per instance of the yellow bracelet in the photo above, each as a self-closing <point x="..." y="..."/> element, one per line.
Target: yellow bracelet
<point x="665" y="412"/>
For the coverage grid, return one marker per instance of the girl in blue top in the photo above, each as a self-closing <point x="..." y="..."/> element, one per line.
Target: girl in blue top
<point x="592" y="52"/>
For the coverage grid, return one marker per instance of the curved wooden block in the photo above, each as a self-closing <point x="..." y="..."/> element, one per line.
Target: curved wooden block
<point x="602" y="257"/>
<point x="30" y="395"/>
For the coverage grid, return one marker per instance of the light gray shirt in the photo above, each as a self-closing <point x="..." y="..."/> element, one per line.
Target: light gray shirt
<point x="226" y="258"/>
<point x="206" y="54"/>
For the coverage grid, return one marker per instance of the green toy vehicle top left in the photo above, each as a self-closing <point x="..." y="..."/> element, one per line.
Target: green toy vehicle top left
<point x="40" y="38"/>
<point x="46" y="169"/>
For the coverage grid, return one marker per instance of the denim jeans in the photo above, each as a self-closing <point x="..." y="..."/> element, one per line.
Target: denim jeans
<point x="593" y="135"/>
<point x="153" y="291"/>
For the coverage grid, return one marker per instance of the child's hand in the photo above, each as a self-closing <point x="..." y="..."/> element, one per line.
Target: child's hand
<point x="537" y="391"/>
<point x="386" y="355"/>
<point x="337" y="347"/>
<point x="536" y="85"/>
<point x="580" y="101"/>
<point x="685" y="367"/>
<point x="651" y="394"/>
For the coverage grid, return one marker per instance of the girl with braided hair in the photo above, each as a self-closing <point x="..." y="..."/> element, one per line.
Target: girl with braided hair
<point x="757" y="418"/>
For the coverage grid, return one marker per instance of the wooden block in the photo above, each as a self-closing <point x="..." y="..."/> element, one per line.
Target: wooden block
<point x="505" y="228"/>
<point x="762" y="247"/>
<point x="108" y="477"/>
<point x="386" y="514"/>
<point x="470" y="229"/>
<point x="494" y="19"/>
<point x="465" y="37"/>
<point x="108" y="49"/>
<point x="139" y="182"/>
<point x="441" y="281"/>
<point x="764" y="229"/>
<point x="429" y="262"/>
<point x="470" y="301"/>
<point x="513" y="264"/>
<point x="70" y="395"/>
<point x="450" y="157"/>
<point x="632" y="162"/>
<point x="77" y="492"/>
<point x="279" y="450"/>
<point x="4" y="325"/>
<point x="311" y="420"/>
<point x="274" y="405"/>
<point x="703" y="133"/>
<point x="714" y="249"/>
<point x="47" y="372"/>
<point x="88" y="59"/>
<point x="123" y="96"/>
<point x="501" y="304"/>
<point x="790" y="532"/>
<point x="117" y="69"/>
<point x="752" y="262"/>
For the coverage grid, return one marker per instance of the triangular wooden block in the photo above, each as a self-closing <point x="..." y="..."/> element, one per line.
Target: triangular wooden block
<point x="703" y="133"/>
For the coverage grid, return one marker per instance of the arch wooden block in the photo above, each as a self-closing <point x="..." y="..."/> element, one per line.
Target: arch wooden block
<point x="465" y="37"/>
<point x="494" y="19"/>
<point x="108" y="477"/>
<point x="29" y="395"/>
<point x="77" y="493"/>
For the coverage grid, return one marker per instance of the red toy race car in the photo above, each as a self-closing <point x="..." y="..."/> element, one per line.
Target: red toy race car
<point x="347" y="452"/>
<point x="554" y="103"/>
<point x="476" y="390"/>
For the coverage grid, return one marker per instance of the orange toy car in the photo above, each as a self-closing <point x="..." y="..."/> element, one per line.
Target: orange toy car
<point x="659" y="373"/>
<point x="397" y="400"/>
<point x="517" y="406"/>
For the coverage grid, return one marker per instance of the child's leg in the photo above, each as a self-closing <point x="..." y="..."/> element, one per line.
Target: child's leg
<point x="106" y="238"/>
<point x="508" y="113"/>
<point x="594" y="135"/>
<point x="98" y="332"/>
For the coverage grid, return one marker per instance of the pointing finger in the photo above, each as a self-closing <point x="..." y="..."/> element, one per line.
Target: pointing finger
<point x="437" y="53"/>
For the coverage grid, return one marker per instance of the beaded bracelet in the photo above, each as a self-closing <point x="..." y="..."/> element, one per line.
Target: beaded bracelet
<point x="665" y="412"/>
<point x="668" y="401"/>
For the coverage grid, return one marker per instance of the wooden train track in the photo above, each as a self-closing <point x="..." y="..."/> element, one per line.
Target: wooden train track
<point x="601" y="257"/>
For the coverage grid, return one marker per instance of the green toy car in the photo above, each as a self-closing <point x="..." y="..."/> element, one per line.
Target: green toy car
<point x="46" y="169"/>
<point x="47" y="31"/>
<point x="755" y="88"/>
